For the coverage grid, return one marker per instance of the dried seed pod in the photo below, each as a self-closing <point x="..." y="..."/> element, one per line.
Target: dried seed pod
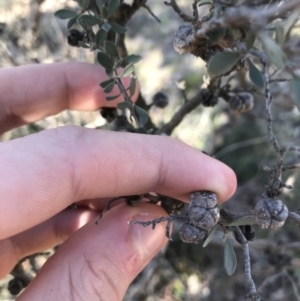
<point x="160" y="100"/>
<point x="241" y="102"/>
<point x="133" y="200"/>
<point x="270" y="213"/>
<point x="186" y="40"/>
<point x="75" y="37"/>
<point x="191" y="234"/>
<point x="110" y="114"/>
<point x="184" y="35"/>
<point x="247" y="231"/>
<point x="172" y="206"/>
<point x="15" y="286"/>
<point x="209" y="98"/>
<point x="203" y="211"/>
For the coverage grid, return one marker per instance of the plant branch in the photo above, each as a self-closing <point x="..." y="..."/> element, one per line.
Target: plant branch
<point x="185" y="109"/>
<point x="251" y="288"/>
<point x="180" y="13"/>
<point x="241" y="15"/>
<point x="294" y="217"/>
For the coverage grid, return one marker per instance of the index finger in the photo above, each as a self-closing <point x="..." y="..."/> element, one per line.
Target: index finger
<point x="58" y="167"/>
<point x="30" y="93"/>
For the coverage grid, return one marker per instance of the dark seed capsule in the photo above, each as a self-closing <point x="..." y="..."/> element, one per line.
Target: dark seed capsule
<point x="241" y="102"/>
<point x="247" y="231"/>
<point x="191" y="234"/>
<point x="209" y="99"/>
<point x="133" y="200"/>
<point x="204" y="199"/>
<point x="203" y="211"/>
<point x="172" y="206"/>
<point x="15" y="286"/>
<point x="183" y="37"/>
<point x="110" y="114"/>
<point x="75" y="37"/>
<point x="160" y="100"/>
<point x="270" y="213"/>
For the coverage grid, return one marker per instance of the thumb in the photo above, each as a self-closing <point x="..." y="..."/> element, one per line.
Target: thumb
<point x="100" y="262"/>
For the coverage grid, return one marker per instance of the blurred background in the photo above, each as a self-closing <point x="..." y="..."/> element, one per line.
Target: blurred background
<point x="30" y="34"/>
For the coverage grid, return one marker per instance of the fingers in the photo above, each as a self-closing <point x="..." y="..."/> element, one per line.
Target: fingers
<point x="42" y="237"/>
<point x="58" y="167"/>
<point x="99" y="262"/>
<point x="30" y="93"/>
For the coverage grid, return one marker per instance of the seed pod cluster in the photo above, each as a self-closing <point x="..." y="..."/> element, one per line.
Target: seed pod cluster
<point x="203" y="215"/>
<point x="270" y="213"/>
<point x="241" y="102"/>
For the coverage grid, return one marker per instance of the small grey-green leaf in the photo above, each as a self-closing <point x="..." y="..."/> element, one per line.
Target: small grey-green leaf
<point x="279" y="30"/>
<point x="243" y="221"/>
<point x="89" y="20"/>
<point x="106" y="26"/>
<point x="127" y="70"/>
<point x="110" y="98"/>
<point x="106" y="82"/>
<point x="112" y="7"/>
<point x="223" y="62"/>
<point x="142" y="115"/>
<point x="117" y="28"/>
<point x="132" y="86"/>
<point x="104" y="60"/>
<point x="65" y="14"/>
<point x="256" y="76"/>
<point x="109" y="87"/>
<point x="274" y="52"/>
<point x="124" y="105"/>
<point x="104" y="12"/>
<point x="132" y="59"/>
<point x="109" y="72"/>
<point x="141" y="131"/>
<point x="83" y="3"/>
<point x="291" y="20"/>
<point x="100" y="4"/>
<point x="229" y="257"/>
<point x="216" y="34"/>
<point x="295" y="91"/>
<point x="83" y="45"/>
<point x="71" y="22"/>
<point x="205" y="2"/>
<point x="250" y="39"/>
<point x="210" y="236"/>
<point x="111" y="48"/>
<point x="101" y="37"/>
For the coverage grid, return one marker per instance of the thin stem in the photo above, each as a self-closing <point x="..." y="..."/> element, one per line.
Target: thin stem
<point x="151" y="13"/>
<point x="181" y="14"/>
<point x="294" y="217"/>
<point x="126" y="97"/>
<point x="185" y="109"/>
<point x="251" y="288"/>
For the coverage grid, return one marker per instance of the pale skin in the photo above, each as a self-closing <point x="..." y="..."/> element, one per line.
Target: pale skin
<point x="44" y="173"/>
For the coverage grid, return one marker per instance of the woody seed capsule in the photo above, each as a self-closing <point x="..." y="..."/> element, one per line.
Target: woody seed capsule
<point x="203" y="211"/>
<point x="270" y="213"/>
<point x="191" y="234"/>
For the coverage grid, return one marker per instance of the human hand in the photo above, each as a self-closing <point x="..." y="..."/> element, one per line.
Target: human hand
<point x="42" y="174"/>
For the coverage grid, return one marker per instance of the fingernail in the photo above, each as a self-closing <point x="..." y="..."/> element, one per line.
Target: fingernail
<point x="147" y="240"/>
